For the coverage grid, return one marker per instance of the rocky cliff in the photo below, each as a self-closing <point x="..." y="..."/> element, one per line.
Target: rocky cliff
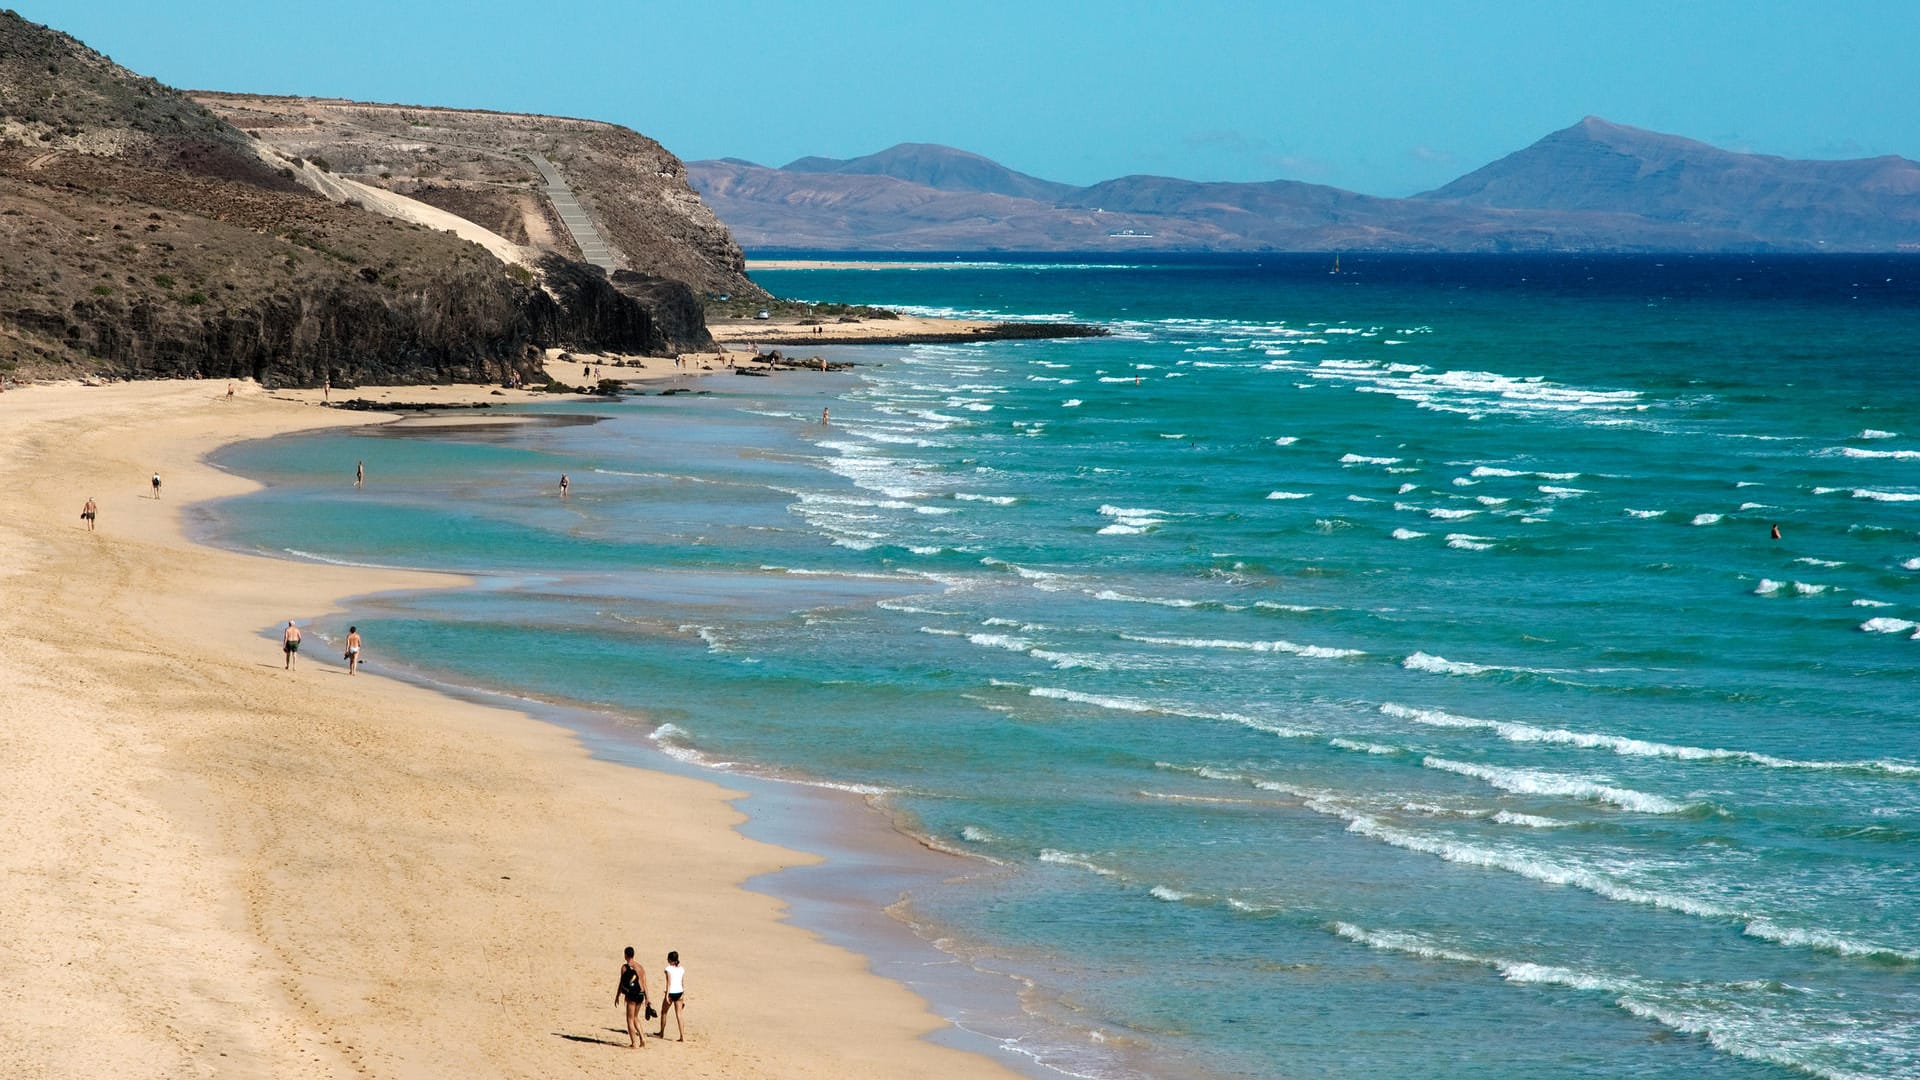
<point x="142" y="235"/>
<point x="476" y="164"/>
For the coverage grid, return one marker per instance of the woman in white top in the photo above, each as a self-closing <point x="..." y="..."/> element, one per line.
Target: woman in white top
<point x="676" y="999"/>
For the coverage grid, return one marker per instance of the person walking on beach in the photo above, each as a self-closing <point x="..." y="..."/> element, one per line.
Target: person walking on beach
<point x="359" y="473"/>
<point x="353" y="649"/>
<point x="229" y="391"/>
<point x="89" y="512"/>
<point x="676" y="993"/>
<point x="633" y="991"/>
<point x="156" y="485"/>
<point x="290" y="643"/>
<point x="563" y="485"/>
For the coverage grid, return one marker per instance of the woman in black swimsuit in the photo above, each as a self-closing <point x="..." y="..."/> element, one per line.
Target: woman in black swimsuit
<point x="632" y="990"/>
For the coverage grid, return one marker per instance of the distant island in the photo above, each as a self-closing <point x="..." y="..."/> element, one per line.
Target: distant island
<point x="1593" y="187"/>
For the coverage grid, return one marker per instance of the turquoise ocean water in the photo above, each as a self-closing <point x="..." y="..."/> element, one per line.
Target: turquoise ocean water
<point x="1388" y="673"/>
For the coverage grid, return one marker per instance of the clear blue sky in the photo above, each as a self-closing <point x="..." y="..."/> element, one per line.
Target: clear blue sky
<point x="1380" y="97"/>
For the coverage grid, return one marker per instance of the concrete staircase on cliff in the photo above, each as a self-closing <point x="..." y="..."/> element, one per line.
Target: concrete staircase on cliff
<point x="574" y="216"/>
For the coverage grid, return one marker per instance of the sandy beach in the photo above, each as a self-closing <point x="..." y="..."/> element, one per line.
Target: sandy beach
<point x="217" y="867"/>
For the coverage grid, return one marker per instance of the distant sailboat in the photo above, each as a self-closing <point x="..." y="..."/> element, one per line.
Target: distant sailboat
<point x="1336" y="265"/>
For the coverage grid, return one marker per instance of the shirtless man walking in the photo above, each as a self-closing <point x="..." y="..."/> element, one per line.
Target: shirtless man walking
<point x="290" y="643"/>
<point x="353" y="650"/>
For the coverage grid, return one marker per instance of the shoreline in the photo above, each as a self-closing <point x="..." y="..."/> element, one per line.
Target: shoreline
<point x="366" y="868"/>
<point x="904" y="330"/>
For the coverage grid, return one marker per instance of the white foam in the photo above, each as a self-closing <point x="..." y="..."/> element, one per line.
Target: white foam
<point x="1491" y="500"/>
<point x="1465" y="542"/>
<point x="1824" y="941"/>
<point x="1770" y="587"/>
<point x="1901" y="455"/>
<point x="1830" y="563"/>
<point x="1286" y="440"/>
<point x="1874" y="433"/>
<point x="1319" y="652"/>
<point x="1287" y="495"/>
<point x="1129" y="598"/>
<point x="1072" y="403"/>
<point x="1397" y="941"/>
<point x="1407" y="534"/>
<point x="1706" y="519"/>
<point x="1886" y="496"/>
<point x="1440" y="665"/>
<point x="997" y="500"/>
<point x="1534" y="867"/>
<point x="1864" y="602"/>
<point x="1630" y="747"/>
<point x="1911" y="564"/>
<point x="1442" y="513"/>
<point x="1079" y="862"/>
<point x="1063" y="661"/>
<point x="1531" y="821"/>
<point x="1104" y="701"/>
<point x="1538" y="782"/>
<point x="1491" y="470"/>
<point x="1884" y="625"/>
<point x="1172" y="896"/>
<point x="1361" y="459"/>
<point x="1552" y="492"/>
<point x="1380" y="749"/>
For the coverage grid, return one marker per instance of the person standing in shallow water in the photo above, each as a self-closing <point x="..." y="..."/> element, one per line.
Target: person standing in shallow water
<point x="563" y="485"/>
<point x="359" y="473"/>
<point x="633" y="991"/>
<point x="676" y="977"/>
<point x="290" y="643"/>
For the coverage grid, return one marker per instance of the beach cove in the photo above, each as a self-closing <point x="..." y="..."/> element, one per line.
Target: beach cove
<point x="217" y="867"/>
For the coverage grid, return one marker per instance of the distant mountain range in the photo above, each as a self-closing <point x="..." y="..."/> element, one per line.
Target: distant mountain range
<point x="1595" y="186"/>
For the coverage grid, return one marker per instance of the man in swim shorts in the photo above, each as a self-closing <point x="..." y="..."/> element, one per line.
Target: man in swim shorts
<point x="353" y="649"/>
<point x="290" y="643"/>
<point x="89" y="512"/>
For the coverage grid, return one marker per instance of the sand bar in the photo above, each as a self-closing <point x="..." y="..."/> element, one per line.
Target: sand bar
<point x="213" y="867"/>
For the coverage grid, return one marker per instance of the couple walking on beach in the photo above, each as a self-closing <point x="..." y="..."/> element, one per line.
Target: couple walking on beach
<point x="633" y="991"/>
<point x="290" y="646"/>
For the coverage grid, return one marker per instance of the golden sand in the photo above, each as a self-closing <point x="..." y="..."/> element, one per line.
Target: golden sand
<point x="215" y="867"/>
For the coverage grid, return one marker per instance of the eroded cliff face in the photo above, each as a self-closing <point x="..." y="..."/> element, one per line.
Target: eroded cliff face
<point x="142" y="236"/>
<point x="476" y="164"/>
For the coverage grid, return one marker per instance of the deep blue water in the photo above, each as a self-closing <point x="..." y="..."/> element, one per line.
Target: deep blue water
<point x="1388" y="673"/>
